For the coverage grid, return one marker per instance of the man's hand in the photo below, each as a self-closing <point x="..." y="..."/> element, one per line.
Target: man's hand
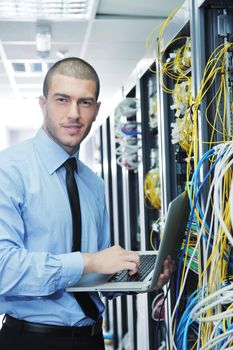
<point x="111" y="260"/>
<point x="115" y="259"/>
<point x="168" y="268"/>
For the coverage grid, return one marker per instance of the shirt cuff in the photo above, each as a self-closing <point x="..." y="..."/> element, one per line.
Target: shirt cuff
<point x="72" y="268"/>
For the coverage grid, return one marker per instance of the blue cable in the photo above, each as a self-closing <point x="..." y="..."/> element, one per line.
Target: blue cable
<point x="225" y="257"/>
<point x="188" y="232"/>
<point x="196" y="173"/>
<point x="131" y="133"/>
<point x="219" y="346"/>
<point x="205" y="156"/>
<point x="185" y="322"/>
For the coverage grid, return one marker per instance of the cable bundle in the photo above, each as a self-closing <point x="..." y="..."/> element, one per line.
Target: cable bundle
<point x="214" y="75"/>
<point x="214" y="241"/>
<point x="174" y="67"/>
<point x="177" y="68"/>
<point x="127" y="134"/>
<point x="210" y="310"/>
<point x="152" y="187"/>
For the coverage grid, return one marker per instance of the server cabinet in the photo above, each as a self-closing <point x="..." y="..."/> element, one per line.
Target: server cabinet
<point x="113" y="309"/>
<point x="151" y="193"/>
<point x="127" y="143"/>
<point x="119" y="165"/>
<point x="211" y="32"/>
<point x="176" y="129"/>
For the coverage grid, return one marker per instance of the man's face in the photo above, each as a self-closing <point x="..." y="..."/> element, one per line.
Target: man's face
<point x="69" y="110"/>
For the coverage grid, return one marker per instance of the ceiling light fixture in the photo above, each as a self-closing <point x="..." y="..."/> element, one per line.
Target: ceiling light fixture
<point x="43" y="40"/>
<point x="45" y="9"/>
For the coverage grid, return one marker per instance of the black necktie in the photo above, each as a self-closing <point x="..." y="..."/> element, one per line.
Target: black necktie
<point x="83" y="298"/>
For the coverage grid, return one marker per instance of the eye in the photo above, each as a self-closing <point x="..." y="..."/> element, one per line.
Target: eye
<point x="62" y="99"/>
<point x="86" y="103"/>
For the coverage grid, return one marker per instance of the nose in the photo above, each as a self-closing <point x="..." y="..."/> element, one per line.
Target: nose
<point x="74" y="110"/>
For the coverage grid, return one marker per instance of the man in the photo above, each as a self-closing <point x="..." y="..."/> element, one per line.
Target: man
<point x="37" y="262"/>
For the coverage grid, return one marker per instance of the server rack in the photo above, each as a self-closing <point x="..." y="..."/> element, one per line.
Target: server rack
<point x="151" y="202"/>
<point x="120" y="313"/>
<point x="173" y="146"/>
<point x="212" y="27"/>
<point x="211" y="31"/>
<point x="112" y="317"/>
<point x="121" y="185"/>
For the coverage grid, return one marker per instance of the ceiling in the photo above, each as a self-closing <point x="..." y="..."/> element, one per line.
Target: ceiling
<point x="113" y="40"/>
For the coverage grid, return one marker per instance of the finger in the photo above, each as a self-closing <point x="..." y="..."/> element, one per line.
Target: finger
<point x="162" y="280"/>
<point x="167" y="268"/>
<point x="133" y="257"/>
<point x="170" y="264"/>
<point x="132" y="268"/>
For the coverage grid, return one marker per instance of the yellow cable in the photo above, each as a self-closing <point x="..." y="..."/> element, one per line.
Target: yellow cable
<point x="152" y="187"/>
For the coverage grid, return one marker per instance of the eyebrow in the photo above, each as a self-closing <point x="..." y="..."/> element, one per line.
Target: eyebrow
<point x="61" y="95"/>
<point x="68" y="96"/>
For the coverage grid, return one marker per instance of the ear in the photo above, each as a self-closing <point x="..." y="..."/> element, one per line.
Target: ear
<point x="42" y="103"/>
<point x="97" y="110"/>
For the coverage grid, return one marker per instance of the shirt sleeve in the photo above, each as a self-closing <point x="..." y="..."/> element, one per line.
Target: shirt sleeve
<point x="23" y="272"/>
<point x="104" y="232"/>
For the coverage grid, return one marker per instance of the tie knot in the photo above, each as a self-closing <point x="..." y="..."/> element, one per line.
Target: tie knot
<point x="71" y="164"/>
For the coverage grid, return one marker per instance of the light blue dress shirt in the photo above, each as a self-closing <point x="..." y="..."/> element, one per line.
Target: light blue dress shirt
<point x="36" y="262"/>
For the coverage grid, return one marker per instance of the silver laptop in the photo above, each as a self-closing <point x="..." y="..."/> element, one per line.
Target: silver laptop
<point x="151" y="262"/>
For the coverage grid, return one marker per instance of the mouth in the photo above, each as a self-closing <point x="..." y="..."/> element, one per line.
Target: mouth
<point x="72" y="128"/>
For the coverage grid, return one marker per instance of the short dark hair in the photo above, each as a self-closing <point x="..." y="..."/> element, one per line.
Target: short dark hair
<point x="74" y="67"/>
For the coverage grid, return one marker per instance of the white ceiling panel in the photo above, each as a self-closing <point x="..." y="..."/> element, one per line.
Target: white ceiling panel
<point x="150" y="8"/>
<point x="120" y="30"/>
<point x="106" y="51"/>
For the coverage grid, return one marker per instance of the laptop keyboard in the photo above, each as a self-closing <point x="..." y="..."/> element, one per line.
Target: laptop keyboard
<point x="146" y="266"/>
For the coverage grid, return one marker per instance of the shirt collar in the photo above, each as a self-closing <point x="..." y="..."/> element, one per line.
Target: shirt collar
<point x="50" y="152"/>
